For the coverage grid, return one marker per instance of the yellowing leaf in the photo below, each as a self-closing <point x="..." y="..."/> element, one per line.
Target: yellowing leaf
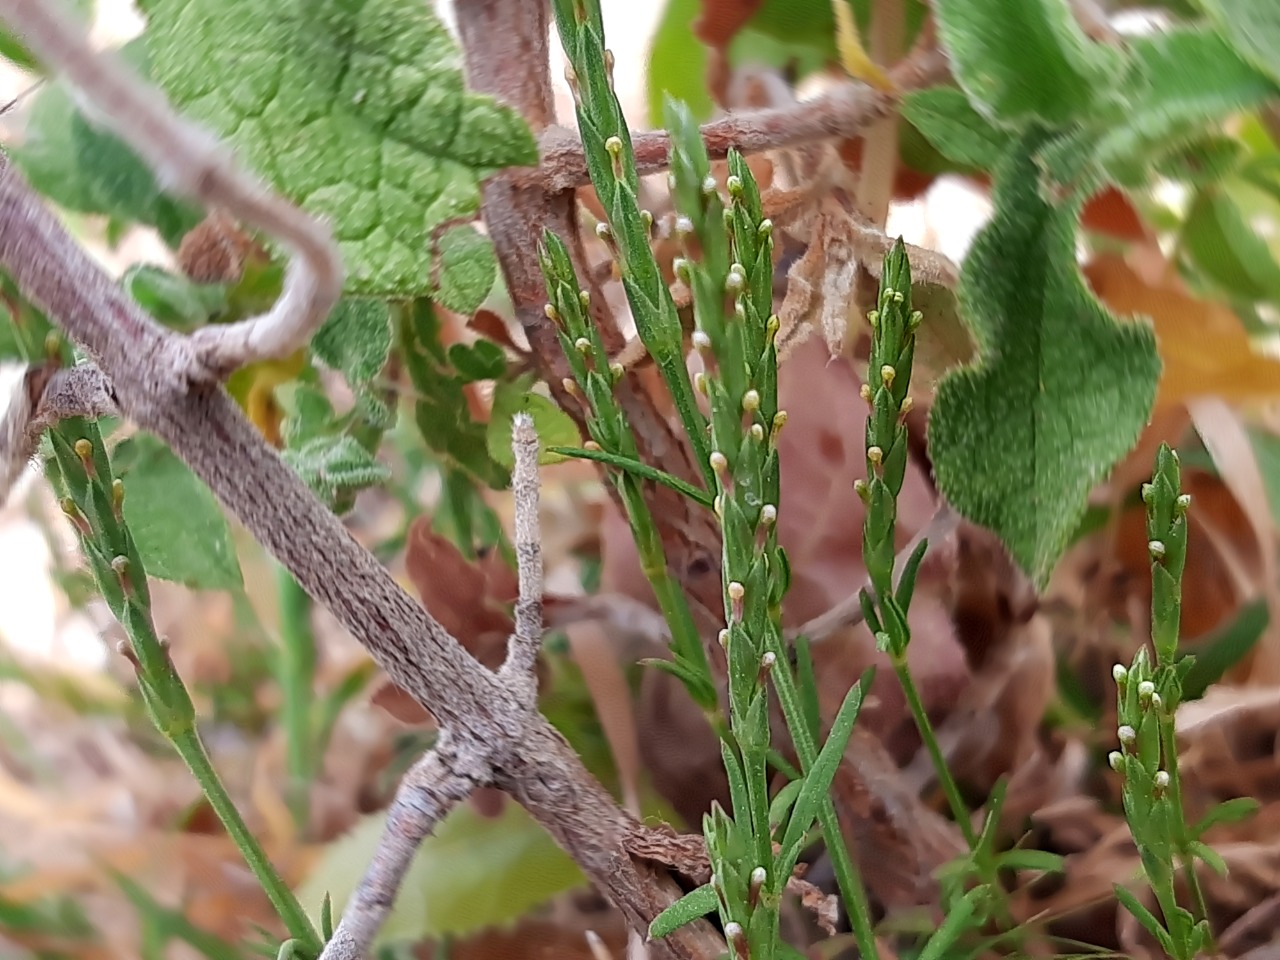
<point x="853" y="56"/>
<point x="1205" y="349"/>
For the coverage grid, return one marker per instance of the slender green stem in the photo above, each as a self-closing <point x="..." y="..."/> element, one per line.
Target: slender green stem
<point x="958" y="808"/>
<point x="297" y="676"/>
<point x="286" y="905"/>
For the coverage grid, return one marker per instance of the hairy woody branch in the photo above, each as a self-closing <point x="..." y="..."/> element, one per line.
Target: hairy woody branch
<point x="502" y="738"/>
<point x="188" y="161"/>
<point x="37" y="398"/>
<point x="846" y="111"/>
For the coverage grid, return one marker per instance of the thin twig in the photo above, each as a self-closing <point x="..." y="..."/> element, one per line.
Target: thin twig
<point x="429" y="791"/>
<point x="844" y="112"/>
<point x="522" y="652"/>
<point x="848" y="612"/>
<point x="188" y="160"/>
<point x="37" y="397"/>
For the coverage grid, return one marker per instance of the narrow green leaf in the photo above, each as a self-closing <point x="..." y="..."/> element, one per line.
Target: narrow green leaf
<point x="1229" y="811"/>
<point x="738" y="795"/>
<point x="358" y="110"/>
<point x="1226" y="647"/>
<point x="1062" y="390"/>
<point x="949" y="122"/>
<point x="818" y="779"/>
<point x="1141" y="914"/>
<point x="1025" y="60"/>
<point x="180" y="531"/>
<point x="694" y="904"/>
<point x="807" y="687"/>
<point x="1043" y="860"/>
<point x="783" y="801"/>
<point x="355" y="340"/>
<point x="639" y="469"/>
<point x="1210" y="856"/>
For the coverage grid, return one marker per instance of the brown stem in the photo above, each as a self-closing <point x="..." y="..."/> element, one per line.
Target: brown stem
<point x="844" y="112"/>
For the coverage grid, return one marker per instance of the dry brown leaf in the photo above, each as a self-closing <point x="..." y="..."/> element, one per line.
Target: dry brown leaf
<point x="721" y="20"/>
<point x="1205" y="350"/>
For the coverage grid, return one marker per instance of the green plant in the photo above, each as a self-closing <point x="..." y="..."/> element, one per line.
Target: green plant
<point x="375" y="158"/>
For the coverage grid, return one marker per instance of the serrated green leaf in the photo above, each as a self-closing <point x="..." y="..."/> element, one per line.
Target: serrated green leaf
<point x="949" y="122"/>
<point x="357" y="110"/>
<point x="482" y="360"/>
<point x="1253" y="27"/>
<point x="1026" y="60"/>
<point x="355" y="339"/>
<point x="440" y="409"/>
<point x="1227" y="248"/>
<point x="473" y="872"/>
<point x="181" y="532"/>
<point x="308" y="413"/>
<point x="334" y="467"/>
<point x="172" y="299"/>
<point x="1061" y="392"/>
<point x="82" y="167"/>
<point x="694" y="904"/>
<point x="468" y="266"/>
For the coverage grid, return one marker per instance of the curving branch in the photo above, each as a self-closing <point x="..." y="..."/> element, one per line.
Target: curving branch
<point x="188" y="160"/>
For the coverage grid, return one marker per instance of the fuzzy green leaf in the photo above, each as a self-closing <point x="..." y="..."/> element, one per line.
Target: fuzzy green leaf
<point x="180" y="531"/>
<point x="1061" y="392"/>
<point x="1181" y="84"/>
<point x="81" y="167"/>
<point x="357" y="110"/>
<point x="1025" y="60"/>
<point x="355" y="339"/>
<point x="554" y="427"/>
<point x="172" y="299"/>
<point x="335" y="467"/>
<point x="440" y="409"/>
<point x="694" y="904"/>
<point x="468" y="266"/>
<point x="473" y="872"/>
<point x="949" y="122"/>
<point x="482" y="360"/>
<point x="1253" y="27"/>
